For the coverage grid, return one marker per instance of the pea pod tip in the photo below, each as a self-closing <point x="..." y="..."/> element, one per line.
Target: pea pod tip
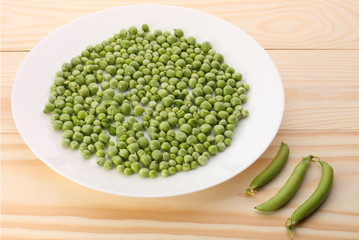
<point x="260" y="209"/>
<point x="289" y="226"/>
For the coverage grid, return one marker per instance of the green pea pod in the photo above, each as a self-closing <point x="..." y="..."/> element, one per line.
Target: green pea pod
<point x="314" y="201"/>
<point x="271" y="170"/>
<point x="289" y="188"/>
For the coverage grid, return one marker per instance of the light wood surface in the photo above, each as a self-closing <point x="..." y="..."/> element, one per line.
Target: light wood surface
<point x="280" y="24"/>
<point x="315" y="45"/>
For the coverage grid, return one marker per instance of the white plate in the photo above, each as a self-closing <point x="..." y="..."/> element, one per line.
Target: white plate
<point x="252" y="136"/>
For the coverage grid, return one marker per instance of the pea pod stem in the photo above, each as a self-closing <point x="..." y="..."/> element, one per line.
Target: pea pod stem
<point x="250" y="191"/>
<point x="271" y="170"/>
<point x="289" y="188"/>
<point x="314" y="201"/>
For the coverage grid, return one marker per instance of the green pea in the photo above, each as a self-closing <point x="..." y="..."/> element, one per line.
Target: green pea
<point x="227" y="90"/>
<point x="218" y="129"/>
<point x="154" y="145"/>
<point x="144" y="172"/>
<point x="143" y="142"/>
<point x="165" y="126"/>
<point x="108" y="93"/>
<point x="116" y="160"/>
<point x="135" y="166"/>
<point x="87" y="140"/>
<point x="86" y="129"/>
<point x="245" y="113"/>
<point x="74" y="145"/>
<point x="186" y="167"/>
<point x="86" y="154"/>
<point x="187" y="158"/>
<point x="201" y="137"/>
<point x="120" y="168"/>
<point x="221" y="146"/>
<point x="191" y="140"/>
<point x="77" y="136"/>
<point x="133" y="148"/>
<point x="100" y="153"/>
<point x="199" y="148"/>
<point x="66" y="142"/>
<point x="126" y="108"/>
<point x="138" y="110"/>
<point x="122" y="86"/>
<point x="108" y="165"/>
<point x="206" y="46"/>
<point x="145" y="160"/>
<point x="202" y="160"/>
<point x="112" y="151"/>
<point x="243" y="98"/>
<point x="104" y="137"/>
<point x="206" y="128"/>
<point x="153" y="174"/>
<point x="67" y="134"/>
<point x="83" y="146"/>
<point x="49" y="107"/>
<point x="218" y="57"/>
<point x="232" y="119"/>
<point x="156" y="155"/>
<point x="178" y="32"/>
<point x="127" y="171"/>
<point x="100" y="161"/>
<point x="123" y="153"/>
<point x="211" y="120"/>
<point x="167" y="101"/>
<point x="186" y="128"/>
<point x="99" y="145"/>
<point x="57" y="124"/>
<point x="212" y="149"/>
<point x="180" y="136"/>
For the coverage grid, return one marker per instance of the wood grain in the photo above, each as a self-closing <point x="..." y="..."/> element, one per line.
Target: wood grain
<point x="313" y="69"/>
<point x="56" y="207"/>
<point x="283" y="24"/>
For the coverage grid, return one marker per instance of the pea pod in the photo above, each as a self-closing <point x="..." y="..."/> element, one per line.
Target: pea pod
<point x="289" y="188"/>
<point x="314" y="201"/>
<point x="271" y="170"/>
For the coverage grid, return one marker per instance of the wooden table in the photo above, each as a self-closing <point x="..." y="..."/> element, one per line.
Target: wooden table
<point x="315" y="45"/>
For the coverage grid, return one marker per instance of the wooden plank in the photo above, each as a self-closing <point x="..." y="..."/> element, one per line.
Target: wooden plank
<point x="324" y="109"/>
<point x="280" y="24"/>
<point x="56" y="208"/>
<point x="315" y="69"/>
<point x="10" y="64"/>
<point x="321" y="87"/>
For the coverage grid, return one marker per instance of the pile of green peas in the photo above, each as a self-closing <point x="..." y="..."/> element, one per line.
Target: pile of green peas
<point x="100" y="97"/>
